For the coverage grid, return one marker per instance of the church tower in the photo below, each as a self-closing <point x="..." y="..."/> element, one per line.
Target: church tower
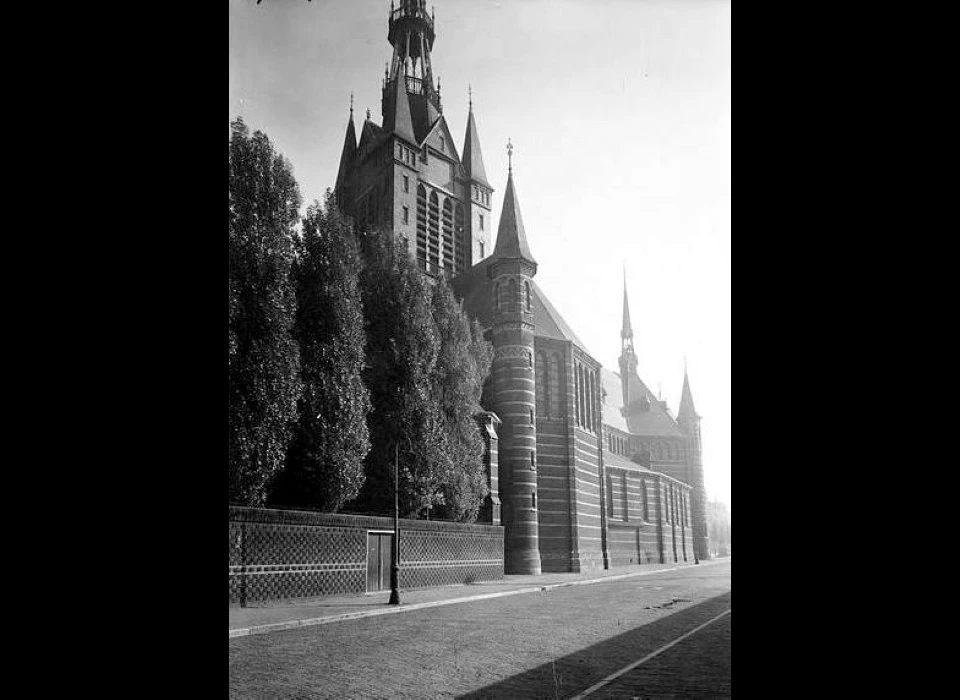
<point x="405" y="175"/>
<point x="511" y="270"/>
<point x="689" y="423"/>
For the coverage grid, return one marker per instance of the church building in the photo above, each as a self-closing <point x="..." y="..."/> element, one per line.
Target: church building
<point x="588" y="468"/>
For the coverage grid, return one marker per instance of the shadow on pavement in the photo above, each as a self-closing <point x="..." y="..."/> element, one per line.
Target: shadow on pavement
<point x="576" y="672"/>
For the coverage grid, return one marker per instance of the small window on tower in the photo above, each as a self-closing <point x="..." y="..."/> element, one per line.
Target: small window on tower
<point x="406" y="215"/>
<point x="481" y="222"/>
<point x="406" y="186"/>
<point x="481" y="250"/>
<point x="443" y="145"/>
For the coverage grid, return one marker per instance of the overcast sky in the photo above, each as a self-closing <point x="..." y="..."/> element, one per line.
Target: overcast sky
<point x="619" y="113"/>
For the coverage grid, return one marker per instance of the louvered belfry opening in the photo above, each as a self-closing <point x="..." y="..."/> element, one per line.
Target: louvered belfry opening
<point x="448" y="236"/>
<point x="422" y="227"/>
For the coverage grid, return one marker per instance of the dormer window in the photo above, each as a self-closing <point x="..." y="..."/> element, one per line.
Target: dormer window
<point x="443" y="146"/>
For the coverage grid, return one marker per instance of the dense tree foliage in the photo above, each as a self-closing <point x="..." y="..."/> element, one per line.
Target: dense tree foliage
<point x="343" y="358"/>
<point x="463" y="363"/>
<point x="325" y="463"/>
<point x="425" y="369"/>
<point x="264" y="382"/>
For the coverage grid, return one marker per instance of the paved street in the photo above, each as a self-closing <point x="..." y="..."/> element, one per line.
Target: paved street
<point x="558" y="643"/>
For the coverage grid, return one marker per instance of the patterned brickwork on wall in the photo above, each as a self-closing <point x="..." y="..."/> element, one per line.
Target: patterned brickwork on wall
<point x="276" y="555"/>
<point x="432" y="558"/>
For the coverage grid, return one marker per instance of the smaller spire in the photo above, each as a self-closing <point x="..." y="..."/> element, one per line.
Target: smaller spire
<point x="511" y="236"/>
<point x="627" y="329"/>
<point x="687" y="413"/>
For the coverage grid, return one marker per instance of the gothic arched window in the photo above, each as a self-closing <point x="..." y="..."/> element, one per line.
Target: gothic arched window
<point x="527" y="286"/>
<point x="511" y="294"/>
<point x="496" y="297"/>
<point x="543" y="385"/>
<point x="556" y="386"/>
<point x="643" y="498"/>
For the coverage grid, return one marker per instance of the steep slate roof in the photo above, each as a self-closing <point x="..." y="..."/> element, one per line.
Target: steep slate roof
<point x="610" y="408"/>
<point x="656" y="422"/>
<point x="475" y="288"/>
<point x="370" y="135"/>
<point x="611" y="459"/>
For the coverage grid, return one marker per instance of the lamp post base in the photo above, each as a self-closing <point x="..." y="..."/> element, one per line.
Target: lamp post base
<point x="394" y="585"/>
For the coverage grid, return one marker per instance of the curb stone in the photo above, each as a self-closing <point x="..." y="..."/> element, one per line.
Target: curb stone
<point x="309" y="622"/>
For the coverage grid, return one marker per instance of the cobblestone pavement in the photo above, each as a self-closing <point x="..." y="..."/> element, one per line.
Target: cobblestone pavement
<point x="539" y="645"/>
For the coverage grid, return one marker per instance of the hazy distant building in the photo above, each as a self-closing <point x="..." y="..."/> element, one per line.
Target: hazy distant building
<point x="594" y="470"/>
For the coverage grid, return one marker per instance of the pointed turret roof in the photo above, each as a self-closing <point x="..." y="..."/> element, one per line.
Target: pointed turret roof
<point x="511" y="237"/>
<point x="398" y="119"/>
<point x="687" y="411"/>
<point x="627" y="330"/>
<point x="472" y="157"/>
<point x="349" y="152"/>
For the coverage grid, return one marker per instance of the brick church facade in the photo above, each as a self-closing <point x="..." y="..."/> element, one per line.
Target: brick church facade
<point x="588" y="468"/>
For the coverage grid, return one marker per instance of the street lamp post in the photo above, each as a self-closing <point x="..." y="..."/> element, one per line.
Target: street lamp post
<point x="395" y="566"/>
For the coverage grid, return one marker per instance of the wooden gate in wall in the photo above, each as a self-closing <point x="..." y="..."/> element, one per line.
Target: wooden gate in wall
<point x="379" y="560"/>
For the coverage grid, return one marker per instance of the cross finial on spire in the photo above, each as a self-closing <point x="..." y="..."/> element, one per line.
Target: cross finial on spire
<point x="509" y="156"/>
<point x="351" y="104"/>
<point x="470" y="95"/>
<point x="368" y="114"/>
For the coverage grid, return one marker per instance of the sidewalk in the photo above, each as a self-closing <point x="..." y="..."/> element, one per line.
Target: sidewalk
<point x="273" y="616"/>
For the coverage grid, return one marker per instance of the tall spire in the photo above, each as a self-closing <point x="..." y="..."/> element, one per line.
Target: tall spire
<point x="472" y="158"/>
<point x="349" y="152"/>
<point x="511" y="236"/>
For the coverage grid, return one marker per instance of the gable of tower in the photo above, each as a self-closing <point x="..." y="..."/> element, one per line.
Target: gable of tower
<point x="440" y="140"/>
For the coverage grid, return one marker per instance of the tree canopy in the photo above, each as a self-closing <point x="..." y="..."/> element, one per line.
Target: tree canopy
<point x="343" y="358"/>
<point x="264" y="365"/>
<point x="426" y="366"/>
<point x="324" y="467"/>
